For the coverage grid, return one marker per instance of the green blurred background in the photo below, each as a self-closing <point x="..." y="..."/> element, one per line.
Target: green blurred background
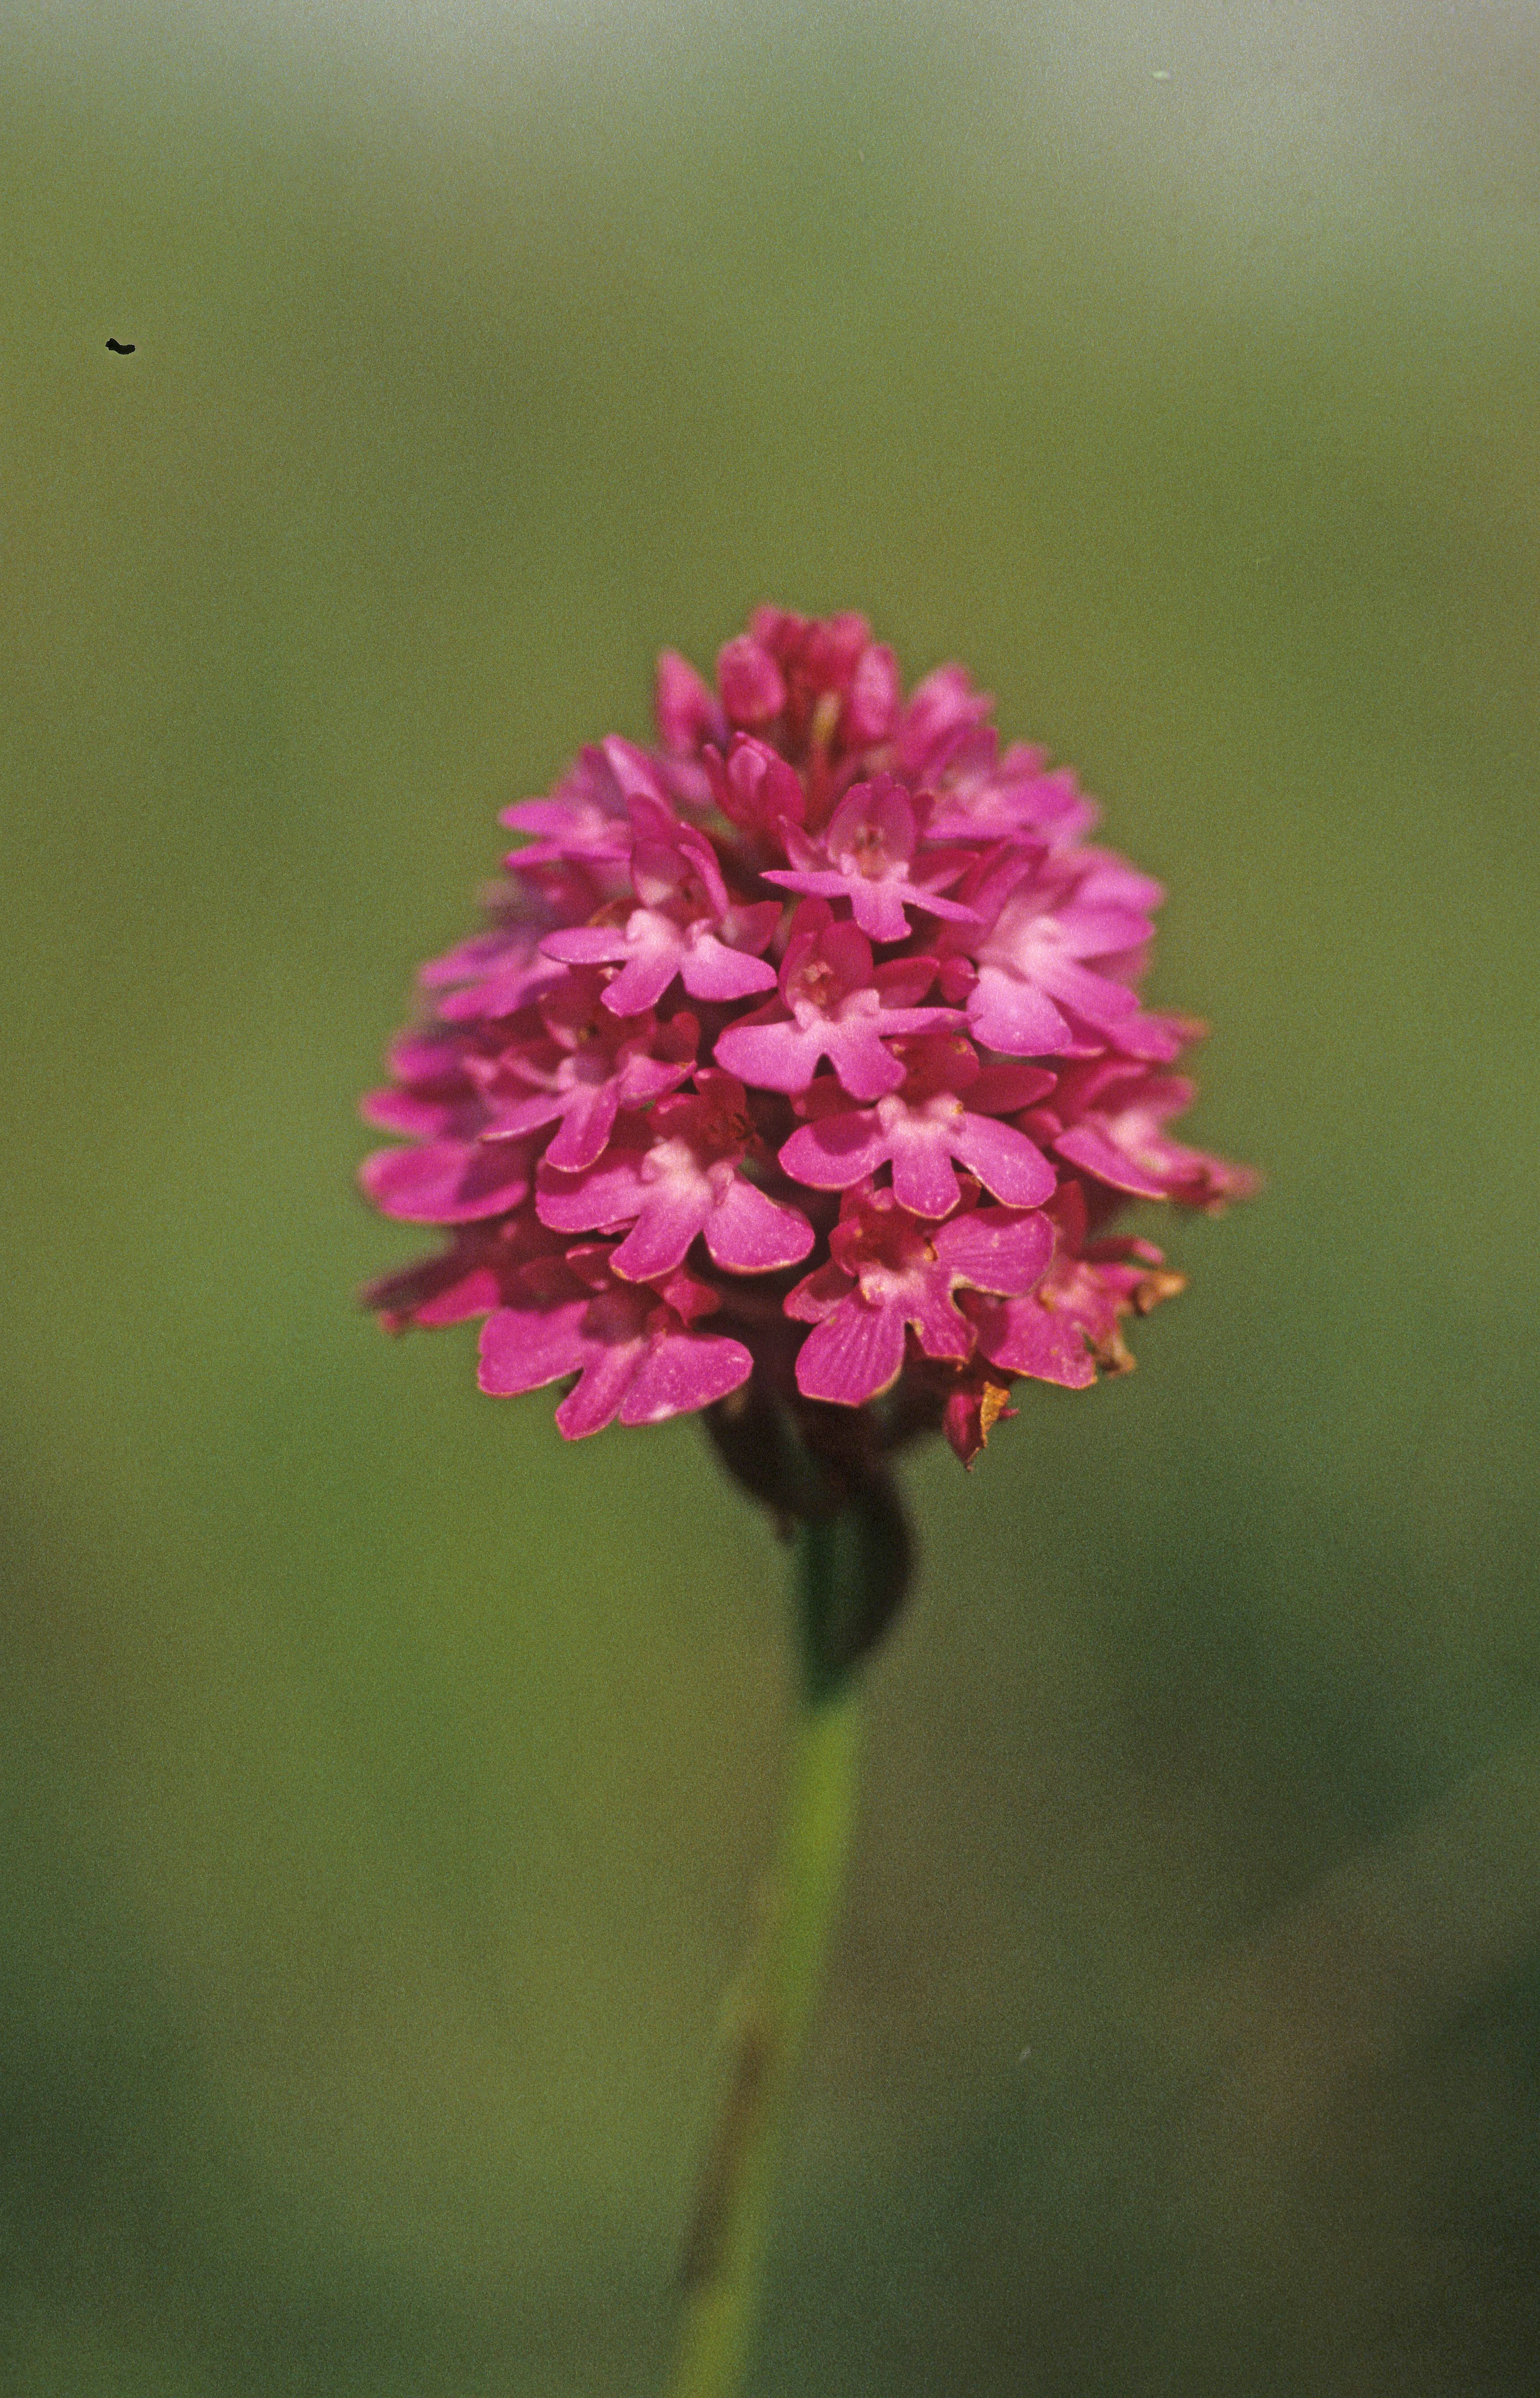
<point x="385" y="1784"/>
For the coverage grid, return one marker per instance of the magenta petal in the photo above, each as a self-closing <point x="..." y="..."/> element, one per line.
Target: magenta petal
<point x="752" y="925"/>
<point x="1005" y="1161"/>
<point x="1091" y="995"/>
<point x="586" y="944"/>
<point x="836" y="1151"/>
<point x="670" y="1213"/>
<point x="565" y="828"/>
<point x="943" y="1332"/>
<point x="711" y="970"/>
<point x="527" y="1115"/>
<point x="923" y="1180"/>
<point x="413" y="1112"/>
<point x="607" y="1377"/>
<point x="476" y="1294"/>
<point x="1026" y="1338"/>
<point x="685" y="710"/>
<point x="750" y="1233"/>
<point x="855" y="1352"/>
<point x="1114" y="883"/>
<point x="635" y="774"/>
<point x="469" y="960"/>
<point x="522" y="1349"/>
<point x="859" y="1058"/>
<point x="903" y="983"/>
<point x="600" y="1200"/>
<point x="1105" y="932"/>
<point x="435" y="1291"/>
<point x="1001" y="1090"/>
<point x="818" y="1294"/>
<point x="682" y="1371"/>
<point x="449" y="1181"/>
<point x="585" y="1129"/>
<point x="653" y="962"/>
<point x="503" y="993"/>
<point x="778" y="1057"/>
<point x="641" y="1078"/>
<point x="757" y="788"/>
<point x="878" y="908"/>
<point x="871" y="705"/>
<point x="996" y="1250"/>
<point x="932" y="904"/>
<point x="1091" y="1151"/>
<point x="814" y="881"/>
<point x="749" y="681"/>
<point x="1014" y="1016"/>
<point x="1156" y="1040"/>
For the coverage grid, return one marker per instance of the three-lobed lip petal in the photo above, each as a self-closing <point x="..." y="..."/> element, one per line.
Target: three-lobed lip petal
<point x="924" y="1129"/>
<point x="887" y="1270"/>
<point x="832" y="1003"/>
<point x="675" y="1178"/>
<point x="637" y="1352"/>
<point x="686" y="924"/>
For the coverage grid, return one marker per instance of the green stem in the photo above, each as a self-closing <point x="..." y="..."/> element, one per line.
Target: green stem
<point x="725" y="2260"/>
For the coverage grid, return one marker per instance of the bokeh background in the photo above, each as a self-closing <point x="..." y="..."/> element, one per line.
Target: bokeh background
<point x="384" y="1784"/>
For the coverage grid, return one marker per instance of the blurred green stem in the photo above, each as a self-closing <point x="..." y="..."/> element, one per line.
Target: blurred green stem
<point x="725" y="2258"/>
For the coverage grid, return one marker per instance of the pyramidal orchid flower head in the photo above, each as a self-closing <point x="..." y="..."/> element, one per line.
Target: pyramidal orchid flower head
<point x="798" y="1075"/>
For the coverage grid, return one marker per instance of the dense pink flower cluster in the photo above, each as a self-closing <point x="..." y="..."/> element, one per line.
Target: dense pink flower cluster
<point x="805" y="1046"/>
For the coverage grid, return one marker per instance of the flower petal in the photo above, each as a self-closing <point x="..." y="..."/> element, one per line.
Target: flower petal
<point x="943" y="1331"/>
<point x="1089" y="1149"/>
<point x="865" y="1068"/>
<point x="1014" y="1016"/>
<point x="855" y="1352"/>
<point x="447" y="1182"/>
<point x="710" y="969"/>
<point x="1027" y="1338"/>
<point x="601" y="1200"/>
<point x="836" y="1151"/>
<point x="522" y="1349"/>
<point x="1005" y="1161"/>
<point x="670" y="1214"/>
<point x="750" y="1233"/>
<point x="923" y="1180"/>
<point x="779" y="1057"/>
<point x="607" y="1377"/>
<point x="997" y="1249"/>
<point x="682" y="1371"/>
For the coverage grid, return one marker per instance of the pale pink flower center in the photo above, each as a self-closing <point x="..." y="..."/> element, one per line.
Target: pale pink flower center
<point x="943" y="1107"/>
<point x="899" y="1275"/>
<point x="866" y="853"/>
<point x="670" y="1161"/>
<point x="812" y="990"/>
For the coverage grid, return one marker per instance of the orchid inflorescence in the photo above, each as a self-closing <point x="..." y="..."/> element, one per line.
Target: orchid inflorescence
<point x="803" y="1060"/>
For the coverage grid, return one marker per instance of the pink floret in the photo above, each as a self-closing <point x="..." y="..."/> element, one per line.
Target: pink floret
<point x="866" y="856"/>
<point x="637" y="1350"/>
<point x="578" y="1067"/>
<point x="685" y="925"/>
<point x="920" y="1129"/>
<point x="679" y="1178"/>
<point x="1108" y="1120"/>
<point x="833" y="1003"/>
<point x="804" y="1046"/>
<point x="887" y="1269"/>
<point x="447" y="1182"/>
